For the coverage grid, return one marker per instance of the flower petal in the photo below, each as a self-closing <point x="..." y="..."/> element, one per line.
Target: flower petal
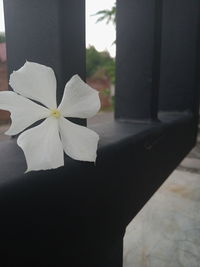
<point x="79" y="142"/>
<point x="24" y="112"/>
<point x="79" y="99"/>
<point x="42" y="146"/>
<point x="37" y="82"/>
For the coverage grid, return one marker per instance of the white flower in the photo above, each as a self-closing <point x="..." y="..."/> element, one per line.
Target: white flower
<point x="43" y="145"/>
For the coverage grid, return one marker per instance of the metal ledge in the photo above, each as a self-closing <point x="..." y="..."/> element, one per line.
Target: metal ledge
<point x="86" y="208"/>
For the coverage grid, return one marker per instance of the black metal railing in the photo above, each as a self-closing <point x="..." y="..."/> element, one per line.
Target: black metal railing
<point x="77" y="215"/>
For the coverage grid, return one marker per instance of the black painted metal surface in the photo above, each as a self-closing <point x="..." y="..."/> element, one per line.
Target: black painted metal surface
<point x="138" y="59"/>
<point x="76" y="215"/>
<point x="180" y="56"/>
<point x="48" y="32"/>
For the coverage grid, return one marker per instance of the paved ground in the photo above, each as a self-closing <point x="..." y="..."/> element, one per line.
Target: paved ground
<point x="101" y="117"/>
<point x="192" y="161"/>
<point x="3" y="128"/>
<point x="166" y="232"/>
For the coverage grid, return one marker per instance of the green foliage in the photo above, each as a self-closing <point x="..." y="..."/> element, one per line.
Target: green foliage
<point x="107" y="15"/>
<point x="2" y="37"/>
<point x="105" y="92"/>
<point x="99" y="64"/>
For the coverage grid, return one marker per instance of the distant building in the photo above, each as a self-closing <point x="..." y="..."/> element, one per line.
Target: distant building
<point x="3" y="57"/>
<point x="4" y="115"/>
<point x="103" y="85"/>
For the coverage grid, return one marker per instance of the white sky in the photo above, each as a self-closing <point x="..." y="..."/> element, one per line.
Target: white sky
<point x="100" y="35"/>
<point x="2" y="27"/>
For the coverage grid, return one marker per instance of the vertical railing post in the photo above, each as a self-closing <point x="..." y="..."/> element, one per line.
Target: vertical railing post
<point x="138" y="59"/>
<point x="180" y="45"/>
<point x="50" y="32"/>
<point x="180" y="61"/>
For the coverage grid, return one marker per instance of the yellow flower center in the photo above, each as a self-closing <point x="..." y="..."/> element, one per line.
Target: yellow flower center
<point x="55" y="113"/>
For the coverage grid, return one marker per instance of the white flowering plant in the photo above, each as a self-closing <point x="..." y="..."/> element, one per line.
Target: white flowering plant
<point x="34" y="98"/>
